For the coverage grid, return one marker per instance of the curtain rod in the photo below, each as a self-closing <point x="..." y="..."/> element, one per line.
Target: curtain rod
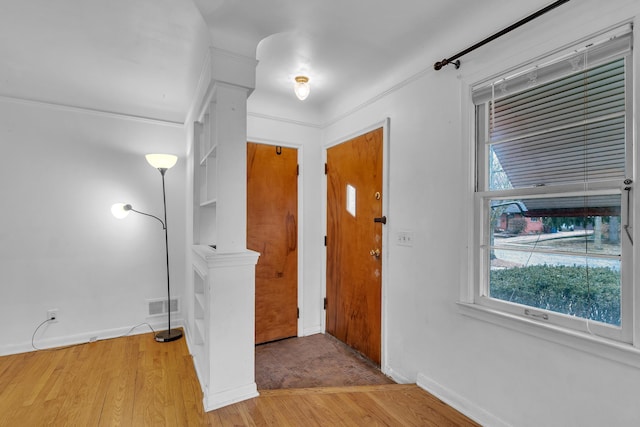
<point x="453" y="60"/>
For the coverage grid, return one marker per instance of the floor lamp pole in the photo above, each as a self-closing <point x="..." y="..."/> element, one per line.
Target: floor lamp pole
<point x="169" y="334"/>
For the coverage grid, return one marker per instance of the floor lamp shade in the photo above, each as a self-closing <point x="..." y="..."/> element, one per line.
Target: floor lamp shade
<point x="120" y="210"/>
<point x="161" y="161"/>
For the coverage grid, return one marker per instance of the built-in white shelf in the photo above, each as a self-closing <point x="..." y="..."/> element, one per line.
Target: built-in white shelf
<point x="205" y="178"/>
<point x="199" y="309"/>
<point x="211" y="154"/>
<point x="208" y="203"/>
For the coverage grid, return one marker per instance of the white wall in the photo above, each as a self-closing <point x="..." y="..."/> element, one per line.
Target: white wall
<point x="495" y="374"/>
<point x="60" y="247"/>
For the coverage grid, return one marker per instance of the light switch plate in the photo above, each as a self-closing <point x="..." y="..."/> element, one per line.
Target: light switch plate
<point x="405" y="238"/>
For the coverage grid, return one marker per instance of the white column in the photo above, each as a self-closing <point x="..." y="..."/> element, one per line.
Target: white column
<point x="230" y="104"/>
<point x="225" y="308"/>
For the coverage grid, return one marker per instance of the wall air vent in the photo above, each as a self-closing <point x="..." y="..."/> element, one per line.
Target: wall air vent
<point x="158" y="307"/>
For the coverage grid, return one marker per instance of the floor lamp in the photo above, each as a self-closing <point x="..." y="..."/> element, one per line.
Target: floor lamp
<point x="162" y="162"/>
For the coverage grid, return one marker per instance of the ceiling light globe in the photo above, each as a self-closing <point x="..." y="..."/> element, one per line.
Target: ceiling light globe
<point x="301" y="87"/>
<point x="162" y="161"/>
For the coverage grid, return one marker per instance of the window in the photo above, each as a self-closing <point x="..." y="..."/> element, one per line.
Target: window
<point x="553" y="200"/>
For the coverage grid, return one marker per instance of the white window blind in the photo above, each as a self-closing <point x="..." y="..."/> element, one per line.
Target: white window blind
<point x="599" y="50"/>
<point x="567" y="130"/>
<point x="571" y="130"/>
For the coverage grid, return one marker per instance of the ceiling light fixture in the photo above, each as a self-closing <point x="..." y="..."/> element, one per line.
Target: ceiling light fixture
<point x="301" y="87"/>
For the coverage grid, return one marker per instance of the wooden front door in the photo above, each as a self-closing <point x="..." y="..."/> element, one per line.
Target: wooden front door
<point x="354" y="243"/>
<point x="272" y="230"/>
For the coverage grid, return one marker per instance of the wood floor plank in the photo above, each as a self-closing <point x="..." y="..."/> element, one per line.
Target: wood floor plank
<point x="333" y="390"/>
<point x="340" y="407"/>
<point x="78" y="390"/>
<point x="272" y="412"/>
<point x="362" y="405"/>
<point x="394" y="404"/>
<point x="135" y="381"/>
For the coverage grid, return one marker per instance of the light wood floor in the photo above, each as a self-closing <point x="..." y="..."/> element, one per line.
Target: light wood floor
<point x="135" y="381"/>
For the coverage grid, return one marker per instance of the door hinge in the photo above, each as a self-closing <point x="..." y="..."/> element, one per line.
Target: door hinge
<point x="298" y="314"/>
<point x="325" y="240"/>
<point x="326" y="169"/>
<point x="325" y="303"/>
<point x="297" y="170"/>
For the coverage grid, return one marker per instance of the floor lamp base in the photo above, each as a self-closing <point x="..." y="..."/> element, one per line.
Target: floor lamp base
<point x="169" y="335"/>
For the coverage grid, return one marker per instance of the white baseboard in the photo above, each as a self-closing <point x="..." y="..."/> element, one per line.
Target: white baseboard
<point x="228" y="397"/>
<point x="312" y="331"/>
<point x="459" y="403"/>
<point x="396" y="376"/>
<point x="87" y="337"/>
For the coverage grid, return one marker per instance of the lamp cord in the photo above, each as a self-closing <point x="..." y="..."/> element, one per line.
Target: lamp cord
<point x="33" y="336"/>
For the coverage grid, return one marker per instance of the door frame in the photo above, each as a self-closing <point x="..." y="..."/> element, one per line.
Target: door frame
<point x="384" y="124"/>
<point x="300" y="220"/>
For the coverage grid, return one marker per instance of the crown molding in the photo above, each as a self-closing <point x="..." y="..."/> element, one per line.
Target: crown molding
<point x="285" y="120"/>
<point x="91" y="111"/>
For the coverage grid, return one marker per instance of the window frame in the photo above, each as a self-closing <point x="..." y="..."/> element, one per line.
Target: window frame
<point x="478" y="298"/>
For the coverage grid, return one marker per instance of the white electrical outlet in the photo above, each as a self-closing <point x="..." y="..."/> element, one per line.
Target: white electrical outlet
<point x="52" y="315"/>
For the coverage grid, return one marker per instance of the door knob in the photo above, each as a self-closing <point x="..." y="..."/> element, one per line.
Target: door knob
<point x="375" y="252"/>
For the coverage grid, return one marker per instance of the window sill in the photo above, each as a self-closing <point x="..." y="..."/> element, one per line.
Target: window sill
<point x="598" y="346"/>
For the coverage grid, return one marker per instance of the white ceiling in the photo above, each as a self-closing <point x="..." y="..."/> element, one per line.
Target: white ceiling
<point x="144" y="57"/>
<point x="347" y="45"/>
<point x="135" y="57"/>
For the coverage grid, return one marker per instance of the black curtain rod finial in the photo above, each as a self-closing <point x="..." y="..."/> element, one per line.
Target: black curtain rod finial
<point x="438" y="65"/>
